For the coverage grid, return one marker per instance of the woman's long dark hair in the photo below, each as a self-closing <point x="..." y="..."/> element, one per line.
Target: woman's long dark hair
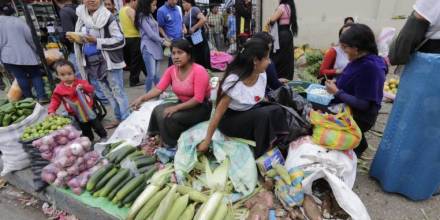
<point x="243" y="63"/>
<point x="293" y="17"/>
<point x="143" y="9"/>
<point x="361" y="37"/>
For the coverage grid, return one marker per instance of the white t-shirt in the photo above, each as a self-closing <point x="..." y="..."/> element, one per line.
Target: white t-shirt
<point x="244" y="97"/>
<point x="430" y="10"/>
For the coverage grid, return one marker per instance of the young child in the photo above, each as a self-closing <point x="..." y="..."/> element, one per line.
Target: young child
<point x="75" y="94"/>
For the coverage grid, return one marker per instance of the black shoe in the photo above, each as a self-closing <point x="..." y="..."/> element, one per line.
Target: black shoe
<point x="136" y="84"/>
<point x="43" y="101"/>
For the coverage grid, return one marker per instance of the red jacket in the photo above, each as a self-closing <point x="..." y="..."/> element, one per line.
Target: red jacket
<point x="69" y="92"/>
<point x="327" y="66"/>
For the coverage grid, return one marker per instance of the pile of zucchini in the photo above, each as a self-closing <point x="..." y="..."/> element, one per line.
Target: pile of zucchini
<point x="15" y="112"/>
<point x="119" y="185"/>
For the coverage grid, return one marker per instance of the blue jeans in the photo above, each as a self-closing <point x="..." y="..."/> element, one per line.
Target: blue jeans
<point x="98" y="91"/>
<point x="113" y="88"/>
<point x="152" y="67"/>
<point x="25" y="75"/>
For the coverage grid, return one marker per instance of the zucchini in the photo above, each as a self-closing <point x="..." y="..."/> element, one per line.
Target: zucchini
<point x="128" y="188"/>
<point x="96" y="194"/>
<point x="135" y="154"/>
<point x="119" y="187"/>
<point x="124" y="152"/>
<point x="114" y="181"/>
<point x="134" y="194"/>
<point x="106" y="150"/>
<point x="97" y="176"/>
<point x="150" y="172"/>
<point x="106" y="178"/>
<point x="146" y="168"/>
<point x="145" y="161"/>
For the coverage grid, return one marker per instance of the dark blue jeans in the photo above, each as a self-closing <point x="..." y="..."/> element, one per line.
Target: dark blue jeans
<point x="28" y="76"/>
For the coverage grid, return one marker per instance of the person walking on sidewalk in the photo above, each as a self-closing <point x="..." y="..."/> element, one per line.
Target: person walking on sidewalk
<point x="132" y="49"/>
<point x="100" y="56"/>
<point x="18" y="54"/>
<point x="68" y="92"/>
<point x="170" y="19"/>
<point x="215" y="23"/>
<point x="68" y="20"/>
<point x="151" y="42"/>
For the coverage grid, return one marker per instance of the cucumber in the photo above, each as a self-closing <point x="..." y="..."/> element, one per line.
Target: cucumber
<point x="124" y="152"/>
<point x="96" y="194"/>
<point x="106" y="150"/>
<point x="128" y="188"/>
<point x="97" y="176"/>
<point x="134" y="194"/>
<point x="106" y="178"/>
<point x="128" y="205"/>
<point x="119" y="187"/>
<point x="122" y="173"/>
<point x="150" y="172"/>
<point x="145" y="162"/>
<point x="135" y="154"/>
<point x="146" y="168"/>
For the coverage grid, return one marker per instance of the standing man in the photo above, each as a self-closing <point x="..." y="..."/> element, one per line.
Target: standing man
<point x="215" y="22"/>
<point x="169" y="17"/>
<point x="132" y="48"/>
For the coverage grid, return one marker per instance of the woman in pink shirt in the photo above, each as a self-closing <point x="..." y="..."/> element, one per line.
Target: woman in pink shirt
<point x="190" y="82"/>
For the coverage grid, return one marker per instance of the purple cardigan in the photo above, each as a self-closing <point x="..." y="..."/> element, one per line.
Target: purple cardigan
<point x="150" y="38"/>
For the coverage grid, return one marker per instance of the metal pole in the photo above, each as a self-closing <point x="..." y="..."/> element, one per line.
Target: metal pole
<point x="37" y="42"/>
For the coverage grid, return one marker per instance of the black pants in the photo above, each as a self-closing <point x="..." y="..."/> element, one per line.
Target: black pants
<point x="365" y="123"/>
<point x="170" y="128"/>
<point x="86" y="129"/>
<point x="283" y="58"/>
<point x="133" y="58"/>
<point x="263" y="124"/>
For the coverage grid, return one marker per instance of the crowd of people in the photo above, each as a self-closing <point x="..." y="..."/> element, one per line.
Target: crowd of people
<point x="354" y="73"/>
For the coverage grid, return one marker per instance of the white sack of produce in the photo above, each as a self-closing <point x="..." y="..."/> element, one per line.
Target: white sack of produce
<point x="338" y="168"/>
<point x="13" y="155"/>
<point x="133" y="129"/>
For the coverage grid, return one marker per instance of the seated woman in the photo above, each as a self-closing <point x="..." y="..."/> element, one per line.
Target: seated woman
<point x="361" y="84"/>
<point x="190" y="82"/>
<point x="240" y="110"/>
<point x="335" y="59"/>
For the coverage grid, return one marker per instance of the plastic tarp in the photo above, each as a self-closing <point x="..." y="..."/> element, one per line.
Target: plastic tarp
<point x="242" y="170"/>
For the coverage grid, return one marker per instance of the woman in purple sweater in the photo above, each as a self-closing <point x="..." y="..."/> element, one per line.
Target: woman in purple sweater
<point x="360" y="86"/>
<point x="151" y="42"/>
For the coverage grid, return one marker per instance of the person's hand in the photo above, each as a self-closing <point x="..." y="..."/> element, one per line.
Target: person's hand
<point x="168" y="112"/>
<point x="136" y="104"/>
<point x="167" y="43"/>
<point x="90" y="39"/>
<point x="283" y="80"/>
<point x="203" y="146"/>
<point x="338" y="71"/>
<point x="331" y="87"/>
<point x="70" y="38"/>
<point x="191" y="30"/>
<point x="185" y="31"/>
<point x="80" y="86"/>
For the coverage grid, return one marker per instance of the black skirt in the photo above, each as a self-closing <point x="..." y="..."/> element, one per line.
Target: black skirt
<point x="264" y="123"/>
<point x="283" y="58"/>
<point x="170" y="128"/>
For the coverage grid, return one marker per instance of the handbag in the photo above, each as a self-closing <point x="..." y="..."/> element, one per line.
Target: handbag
<point x="335" y="131"/>
<point x="197" y="36"/>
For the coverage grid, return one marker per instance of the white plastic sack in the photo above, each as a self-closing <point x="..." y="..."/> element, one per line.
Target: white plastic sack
<point x="133" y="129"/>
<point x="310" y="157"/>
<point x="13" y="155"/>
<point x="338" y="168"/>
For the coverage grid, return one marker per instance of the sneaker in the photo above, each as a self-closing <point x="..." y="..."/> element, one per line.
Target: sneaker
<point x="43" y="101"/>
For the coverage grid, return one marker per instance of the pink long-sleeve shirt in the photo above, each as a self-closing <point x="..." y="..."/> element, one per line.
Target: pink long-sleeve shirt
<point x="195" y="85"/>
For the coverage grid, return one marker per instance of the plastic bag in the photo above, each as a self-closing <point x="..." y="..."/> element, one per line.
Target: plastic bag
<point x="384" y="40"/>
<point x="336" y="131"/>
<point x="14" y="93"/>
<point x="242" y="169"/>
<point x="13" y="155"/>
<point x="133" y="129"/>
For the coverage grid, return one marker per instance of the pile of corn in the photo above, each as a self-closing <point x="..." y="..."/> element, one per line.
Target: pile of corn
<point x="162" y="201"/>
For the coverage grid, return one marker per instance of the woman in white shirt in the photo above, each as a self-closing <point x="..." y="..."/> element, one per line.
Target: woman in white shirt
<point x="241" y="111"/>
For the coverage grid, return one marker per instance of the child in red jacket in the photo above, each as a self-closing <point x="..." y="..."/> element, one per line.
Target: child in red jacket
<point x="75" y="94"/>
